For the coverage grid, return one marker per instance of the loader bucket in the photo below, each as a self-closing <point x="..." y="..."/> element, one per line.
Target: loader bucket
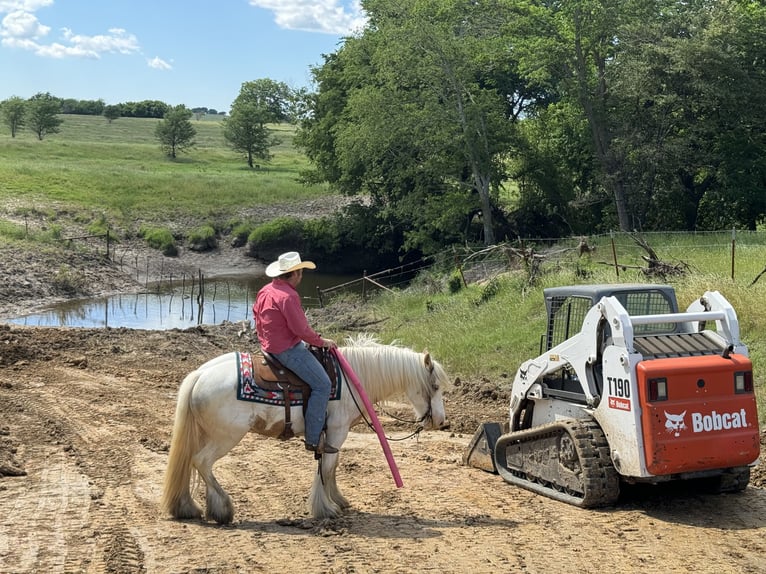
<point x="480" y="453"/>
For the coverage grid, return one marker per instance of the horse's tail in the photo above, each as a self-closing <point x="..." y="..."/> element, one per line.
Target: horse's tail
<point x="176" y="496"/>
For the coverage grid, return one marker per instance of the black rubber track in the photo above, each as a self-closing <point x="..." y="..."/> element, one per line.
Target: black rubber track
<point x="598" y="482"/>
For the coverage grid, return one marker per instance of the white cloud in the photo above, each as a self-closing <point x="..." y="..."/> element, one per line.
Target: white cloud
<point x="22" y="25"/>
<point x="159" y="64"/>
<point x="23" y="5"/>
<point x="326" y="16"/>
<point x="59" y="51"/>
<point x="118" y="40"/>
<point x="21" y="29"/>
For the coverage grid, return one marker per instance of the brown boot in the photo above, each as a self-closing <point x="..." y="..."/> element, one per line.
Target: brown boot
<point x="322" y="447"/>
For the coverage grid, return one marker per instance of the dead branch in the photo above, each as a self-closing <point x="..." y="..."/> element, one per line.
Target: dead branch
<point x="757" y="277"/>
<point x="655" y="266"/>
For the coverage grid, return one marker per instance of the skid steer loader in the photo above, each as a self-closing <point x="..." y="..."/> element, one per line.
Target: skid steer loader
<point x="627" y="389"/>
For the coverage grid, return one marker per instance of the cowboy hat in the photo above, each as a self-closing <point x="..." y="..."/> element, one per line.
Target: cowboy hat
<point x="287" y="262"/>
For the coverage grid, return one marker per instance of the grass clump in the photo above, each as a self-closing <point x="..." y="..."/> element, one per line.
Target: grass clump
<point x="12" y="231"/>
<point x="268" y="240"/>
<point x="67" y="281"/>
<point x="240" y="232"/>
<point x="161" y="239"/>
<point x="203" y="238"/>
<point x="98" y="226"/>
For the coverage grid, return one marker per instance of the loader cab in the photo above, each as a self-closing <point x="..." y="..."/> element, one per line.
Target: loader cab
<point x="567" y="307"/>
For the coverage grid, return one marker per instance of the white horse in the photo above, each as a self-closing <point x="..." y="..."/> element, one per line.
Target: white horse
<point x="210" y="421"/>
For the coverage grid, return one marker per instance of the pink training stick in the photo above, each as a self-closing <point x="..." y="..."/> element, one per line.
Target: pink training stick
<point x="375" y="422"/>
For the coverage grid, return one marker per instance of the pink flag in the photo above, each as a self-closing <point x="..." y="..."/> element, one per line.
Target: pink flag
<point x="375" y="422"/>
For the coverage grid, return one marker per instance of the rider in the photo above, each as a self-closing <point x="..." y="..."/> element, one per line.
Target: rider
<point x="283" y="331"/>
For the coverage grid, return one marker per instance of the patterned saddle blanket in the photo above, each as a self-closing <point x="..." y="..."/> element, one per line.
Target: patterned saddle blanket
<point x="252" y="387"/>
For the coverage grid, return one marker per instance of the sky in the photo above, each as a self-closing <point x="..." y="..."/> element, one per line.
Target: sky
<point x="192" y="52"/>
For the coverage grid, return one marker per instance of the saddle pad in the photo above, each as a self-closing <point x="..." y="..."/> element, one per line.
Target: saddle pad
<point x="248" y="389"/>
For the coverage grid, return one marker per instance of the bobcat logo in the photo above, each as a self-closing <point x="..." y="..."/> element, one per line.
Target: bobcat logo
<point x="674" y="423"/>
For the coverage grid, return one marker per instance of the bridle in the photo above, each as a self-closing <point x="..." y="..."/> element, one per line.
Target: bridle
<point x="428" y="415"/>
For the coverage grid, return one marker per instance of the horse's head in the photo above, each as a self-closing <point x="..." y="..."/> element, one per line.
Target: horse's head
<point x="391" y="370"/>
<point x="427" y="398"/>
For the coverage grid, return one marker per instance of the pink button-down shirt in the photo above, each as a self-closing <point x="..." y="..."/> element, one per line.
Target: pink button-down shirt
<point x="280" y="321"/>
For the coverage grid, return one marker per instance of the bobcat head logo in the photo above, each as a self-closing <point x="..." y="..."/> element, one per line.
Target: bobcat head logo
<point x="674" y="423"/>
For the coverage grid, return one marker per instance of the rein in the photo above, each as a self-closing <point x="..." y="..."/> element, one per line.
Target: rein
<point x="415" y="433"/>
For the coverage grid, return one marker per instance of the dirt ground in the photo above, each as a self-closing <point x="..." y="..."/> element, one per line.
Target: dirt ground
<point x="85" y="421"/>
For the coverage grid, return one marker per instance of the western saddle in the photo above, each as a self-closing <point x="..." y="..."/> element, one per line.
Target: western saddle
<point x="272" y="375"/>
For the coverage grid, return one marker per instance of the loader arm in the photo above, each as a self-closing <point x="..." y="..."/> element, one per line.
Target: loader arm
<point x="573" y="360"/>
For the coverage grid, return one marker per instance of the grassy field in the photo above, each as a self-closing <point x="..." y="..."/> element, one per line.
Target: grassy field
<point x="117" y="170"/>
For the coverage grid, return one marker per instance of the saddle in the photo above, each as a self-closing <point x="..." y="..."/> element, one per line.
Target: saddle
<point x="272" y="375"/>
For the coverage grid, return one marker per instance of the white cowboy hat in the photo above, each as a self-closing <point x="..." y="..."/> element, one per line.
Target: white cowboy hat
<point x="287" y="262"/>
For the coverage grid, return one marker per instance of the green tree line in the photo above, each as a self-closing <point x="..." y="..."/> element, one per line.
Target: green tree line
<point x="482" y="121"/>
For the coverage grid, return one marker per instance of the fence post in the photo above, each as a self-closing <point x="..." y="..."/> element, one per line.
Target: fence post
<point x="460" y="270"/>
<point x="614" y="255"/>
<point x="364" y="285"/>
<point x="733" y="242"/>
<point x="319" y="296"/>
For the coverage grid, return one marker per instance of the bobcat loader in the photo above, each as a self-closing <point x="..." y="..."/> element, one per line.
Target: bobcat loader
<point x="628" y="389"/>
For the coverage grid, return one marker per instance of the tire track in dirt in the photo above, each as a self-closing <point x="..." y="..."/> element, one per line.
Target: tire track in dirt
<point x="87" y="466"/>
<point x="41" y="514"/>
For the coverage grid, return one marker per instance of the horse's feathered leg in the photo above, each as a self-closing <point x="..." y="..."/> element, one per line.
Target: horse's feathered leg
<point x="331" y="484"/>
<point x="325" y="500"/>
<point x="219" y="506"/>
<point x="176" y="497"/>
<point x="320" y="504"/>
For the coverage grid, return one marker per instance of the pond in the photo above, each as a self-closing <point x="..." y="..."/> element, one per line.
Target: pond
<point x="178" y="306"/>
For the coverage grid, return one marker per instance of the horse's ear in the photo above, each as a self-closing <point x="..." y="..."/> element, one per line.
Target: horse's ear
<point x="428" y="362"/>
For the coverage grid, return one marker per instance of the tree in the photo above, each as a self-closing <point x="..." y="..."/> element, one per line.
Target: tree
<point x="112" y="112"/>
<point x="601" y="114"/>
<point x="175" y="131"/>
<point x="144" y="109"/>
<point x="199" y="113"/>
<point x="14" y="111"/>
<point x="245" y="130"/>
<point x="42" y="114"/>
<point x="83" y="107"/>
<point x="420" y="112"/>
<point x="273" y="97"/>
<point x="660" y="85"/>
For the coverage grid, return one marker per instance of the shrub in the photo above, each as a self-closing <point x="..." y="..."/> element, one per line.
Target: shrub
<point x="67" y="281"/>
<point x="160" y="238"/>
<point x="455" y="282"/>
<point x="322" y="238"/>
<point x="203" y="238"/>
<point x="282" y="234"/>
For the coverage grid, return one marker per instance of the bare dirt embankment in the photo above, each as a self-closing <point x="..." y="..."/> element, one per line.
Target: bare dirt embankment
<point x="85" y="420"/>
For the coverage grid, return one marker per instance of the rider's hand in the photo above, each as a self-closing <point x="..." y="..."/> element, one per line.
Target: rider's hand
<point x="329" y="343"/>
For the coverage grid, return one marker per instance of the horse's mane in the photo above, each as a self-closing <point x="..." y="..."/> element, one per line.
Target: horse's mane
<point x="389" y="364"/>
<point x="366" y="340"/>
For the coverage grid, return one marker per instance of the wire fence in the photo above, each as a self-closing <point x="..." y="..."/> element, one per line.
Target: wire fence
<point x="737" y="254"/>
<point x="740" y="255"/>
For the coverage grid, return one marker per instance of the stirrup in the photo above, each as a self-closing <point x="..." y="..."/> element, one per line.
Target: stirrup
<point x="322" y="447"/>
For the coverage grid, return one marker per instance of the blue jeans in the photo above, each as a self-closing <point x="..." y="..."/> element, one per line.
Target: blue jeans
<point x="301" y="362"/>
